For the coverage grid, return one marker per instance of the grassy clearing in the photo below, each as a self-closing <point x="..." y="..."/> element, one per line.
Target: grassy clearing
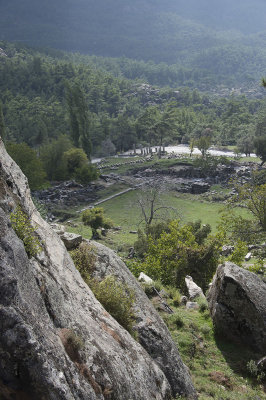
<point x="219" y="368"/>
<point x="125" y="213"/>
<point x="249" y="159"/>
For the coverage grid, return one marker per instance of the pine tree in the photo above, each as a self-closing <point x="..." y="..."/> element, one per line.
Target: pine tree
<point x="78" y="117"/>
<point x="2" y="124"/>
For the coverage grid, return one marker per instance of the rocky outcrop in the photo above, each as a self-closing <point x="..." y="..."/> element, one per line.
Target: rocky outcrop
<point x="152" y="331"/>
<point x="71" y="240"/>
<point x="237" y="301"/>
<point x="67" y="194"/>
<point x="56" y="340"/>
<point x="194" y="290"/>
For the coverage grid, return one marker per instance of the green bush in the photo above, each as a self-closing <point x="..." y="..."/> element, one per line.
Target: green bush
<point x="134" y="266"/>
<point x="96" y="219"/>
<point x="25" y="231"/>
<point x="254" y="371"/>
<point x="84" y="259"/>
<point x="257" y="267"/>
<point x="148" y="289"/>
<point x="117" y="298"/>
<point x="30" y="164"/>
<point x="203" y="304"/>
<point x="205" y="329"/>
<point x="86" y="174"/>
<point x="175" y="320"/>
<point x="177" y="254"/>
<point x="155" y="230"/>
<point x="174" y="295"/>
<point x="238" y="255"/>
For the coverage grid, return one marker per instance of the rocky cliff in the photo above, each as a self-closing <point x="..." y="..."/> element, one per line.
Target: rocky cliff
<point x="56" y="340"/>
<point x="237" y="301"/>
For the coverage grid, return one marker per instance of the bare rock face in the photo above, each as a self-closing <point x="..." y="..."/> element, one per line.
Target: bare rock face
<point x="237" y="301"/>
<point x="56" y="340"/>
<point x="194" y="290"/>
<point x="152" y="331"/>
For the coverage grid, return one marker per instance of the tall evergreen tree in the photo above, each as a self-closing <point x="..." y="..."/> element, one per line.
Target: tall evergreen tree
<point x="78" y="117"/>
<point x="2" y="123"/>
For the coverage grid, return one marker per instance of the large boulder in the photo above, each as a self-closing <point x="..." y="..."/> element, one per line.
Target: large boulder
<point x="56" y="340"/>
<point x="152" y="332"/>
<point x="194" y="290"/>
<point x="71" y="240"/>
<point x="237" y="301"/>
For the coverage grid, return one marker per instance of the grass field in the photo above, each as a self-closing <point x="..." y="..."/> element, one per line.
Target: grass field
<point x="125" y="213"/>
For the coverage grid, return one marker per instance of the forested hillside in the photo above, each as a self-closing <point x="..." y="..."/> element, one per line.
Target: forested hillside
<point x="215" y="42"/>
<point x="35" y="90"/>
<point x="59" y="109"/>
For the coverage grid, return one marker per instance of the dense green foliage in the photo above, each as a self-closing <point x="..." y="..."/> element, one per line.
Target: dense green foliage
<point x="177" y="254"/>
<point x="55" y="102"/>
<point x="252" y="196"/>
<point x="47" y="96"/>
<point x="26" y="232"/>
<point x="207" y="41"/>
<point x="29" y="163"/>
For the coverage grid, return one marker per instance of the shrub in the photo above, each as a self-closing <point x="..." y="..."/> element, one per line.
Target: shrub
<point x="254" y="371"/>
<point x="177" y="254"/>
<point x="148" y="289"/>
<point x="84" y="259"/>
<point x="74" y="158"/>
<point x="174" y="295"/>
<point x="205" y="329"/>
<point x="134" y="266"/>
<point x="177" y="299"/>
<point x="117" y="298"/>
<point x="203" y="304"/>
<point x="86" y="174"/>
<point x="25" y="231"/>
<point x="239" y="253"/>
<point x="72" y="343"/>
<point x="96" y="219"/>
<point x="175" y="320"/>
<point x="155" y="230"/>
<point x="29" y="163"/>
<point x="257" y="267"/>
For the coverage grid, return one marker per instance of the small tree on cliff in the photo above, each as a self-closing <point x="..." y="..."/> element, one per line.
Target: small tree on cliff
<point x="96" y="219"/>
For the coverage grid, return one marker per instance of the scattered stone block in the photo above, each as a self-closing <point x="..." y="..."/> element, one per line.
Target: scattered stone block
<point x="192" y="305"/>
<point x="194" y="290"/>
<point x="71" y="240"/>
<point x="145" y="278"/>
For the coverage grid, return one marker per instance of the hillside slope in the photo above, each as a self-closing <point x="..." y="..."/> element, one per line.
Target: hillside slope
<point x="140" y="29"/>
<point x="56" y="340"/>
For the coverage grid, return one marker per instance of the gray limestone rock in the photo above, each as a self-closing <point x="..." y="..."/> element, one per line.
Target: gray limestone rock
<point x="44" y="304"/>
<point x="192" y="305"/>
<point x="152" y="331"/>
<point x="194" y="290"/>
<point x="71" y="240"/>
<point x="237" y="301"/>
